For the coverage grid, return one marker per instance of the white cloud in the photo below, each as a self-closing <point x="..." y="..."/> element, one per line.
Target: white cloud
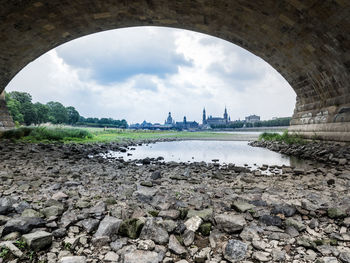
<point x="175" y="70"/>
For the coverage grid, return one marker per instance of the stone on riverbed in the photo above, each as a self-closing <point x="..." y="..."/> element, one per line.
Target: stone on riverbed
<point x="108" y="227"/>
<point x="230" y="223"/>
<point x="235" y="250"/>
<point x="153" y="231"/>
<point x="38" y="240"/>
<point x="242" y="206"/>
<point x="143" y="256"/>
<point x="73" y="259"/>
<point x="22" y="225"/>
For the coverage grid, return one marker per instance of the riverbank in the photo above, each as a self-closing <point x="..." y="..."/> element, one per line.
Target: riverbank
<point x="57" y="204"/>
<point x="69" y="134"/>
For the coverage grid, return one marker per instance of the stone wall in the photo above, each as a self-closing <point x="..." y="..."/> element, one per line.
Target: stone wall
<point x="307" y="41"/>
<point x="6" y="121"/>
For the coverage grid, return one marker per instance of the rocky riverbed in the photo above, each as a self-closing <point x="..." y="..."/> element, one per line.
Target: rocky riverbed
<point x="67" y="204"/>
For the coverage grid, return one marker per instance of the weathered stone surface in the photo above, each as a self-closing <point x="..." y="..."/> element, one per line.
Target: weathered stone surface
<point x="22" y="225"/>
<point x="230" y="223"/>
<point x="73" y="259"/>
<point x="131" y="228"/>
<point x="108" y="227"/>
<point x="38" y="240"/>
<point x="151" y="230"/>
<point x="193" y="223"/>
<point x="142" y="256"/>
<point x="175" y="246"/>
<point x="235" y="250"/>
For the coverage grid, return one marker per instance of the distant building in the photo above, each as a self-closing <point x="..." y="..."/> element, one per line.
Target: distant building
<point x="252" y="119"/>
<point x="216" y="120"/>
<point x="169" y="120"/>
<point x="186" y="125"/>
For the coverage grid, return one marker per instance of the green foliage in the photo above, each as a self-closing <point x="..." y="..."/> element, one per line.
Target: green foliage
<point x="21" y="244"/>
<point x="23" y="111"/>
<point x="285" y="137"/>
<point x="269" y="123"/>
<point x="4" y="252"/>
<point x="47" y="134"/>
<point x="57" y="112"/>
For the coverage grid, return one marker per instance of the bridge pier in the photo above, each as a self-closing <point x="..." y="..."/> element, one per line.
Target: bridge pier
<point x="6" y="121"/>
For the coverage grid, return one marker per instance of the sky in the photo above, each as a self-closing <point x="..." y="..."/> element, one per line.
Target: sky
<point x="142" y="73"/>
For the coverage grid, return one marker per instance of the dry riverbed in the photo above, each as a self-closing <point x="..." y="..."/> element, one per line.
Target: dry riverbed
<point x="57" y="204"/>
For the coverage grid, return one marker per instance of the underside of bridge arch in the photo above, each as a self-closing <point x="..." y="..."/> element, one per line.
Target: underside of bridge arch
<point x="306" y="41"/>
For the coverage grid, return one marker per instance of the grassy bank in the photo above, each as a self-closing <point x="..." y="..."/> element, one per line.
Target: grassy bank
<point x="284" y="137"/>
<point x="87" y="135"/>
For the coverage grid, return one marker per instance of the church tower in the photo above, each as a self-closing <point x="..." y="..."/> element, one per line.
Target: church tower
<point x="226" y="115"/>
<point x="204" y="120"/>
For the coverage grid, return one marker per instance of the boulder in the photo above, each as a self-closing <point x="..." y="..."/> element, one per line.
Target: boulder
<point x="73" y="259"/>
<point x="153" y="231"/>
<point x="235" y="250"/>
<point x="38" y="240"/>
<point x="230" y="223"/>
<point x="175" y="246"/>
<point x="22" y="225"/>
<point x="108" y="227"/>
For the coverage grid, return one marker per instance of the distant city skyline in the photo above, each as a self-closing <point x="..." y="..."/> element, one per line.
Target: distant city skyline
<point x="144" y="72"/>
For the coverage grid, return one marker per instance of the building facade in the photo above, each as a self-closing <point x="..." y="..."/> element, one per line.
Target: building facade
<point x="215" y="120"/>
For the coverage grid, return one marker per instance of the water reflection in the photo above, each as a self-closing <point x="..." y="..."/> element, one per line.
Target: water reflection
<point x="237" y="152"/>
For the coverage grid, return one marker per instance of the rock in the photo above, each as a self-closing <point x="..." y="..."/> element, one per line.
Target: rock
<point x="345" y="257"/>
<point x="156" y="175"/>
<point x="38" y="240"/>
<point x="234" y="250"/>
<point x="111" y="257"/>
<point x="249" y="234"/>
<point x="283" y="209"/>
<point x="336" y="213"/>
<point x="169" y="225"/>
<point x="175" y="246"/>
<point x="10" y="246"/>
<point x="278" y="255"/>
<point x="152" y="230"/>
<point x="30" y="213"/>
<point x="242" y="206"/>
<point x="202" y="255"/>
<point x="261" y="256"/>
<point x="205" y="214"/>
<point x="297" y="225"/>
<point x="22" y="225"/>
<point x="118" y="244"/>
<point x="108" y="227"/>
<point x="230" y="223"/>
<point x="69" y="217"/>
<point x="131" y="228"/>
<point x="52" y="211"/>
<point x="90" y="224"/>
<point x="170" y="214"/>
<point x="146" y="245"/>
<point x="143" y="256"/>
<point x="188" y="237"/>
<point x="59" y="196"/>
<point x="3" y="219"/>
<point x="98" y="209"/>
<point x="327" y="260"/>
<point x="193" y="223"/>
<point x="73" y="259"/>
<point x="270" y="220"/>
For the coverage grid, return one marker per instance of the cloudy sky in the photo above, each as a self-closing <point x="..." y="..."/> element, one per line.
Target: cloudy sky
<point x="142" y="73"/>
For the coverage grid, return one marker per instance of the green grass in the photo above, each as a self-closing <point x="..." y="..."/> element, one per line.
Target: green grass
<point x="284" y="137"/>
<point x="42" y="134"/>
<point x="69" y="134"/>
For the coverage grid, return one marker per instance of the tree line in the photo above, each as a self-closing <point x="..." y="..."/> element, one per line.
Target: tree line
<point x="25" y="112"/>
<point x="269" y="123"/>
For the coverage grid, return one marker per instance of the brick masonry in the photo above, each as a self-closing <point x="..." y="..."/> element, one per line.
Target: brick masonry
<point x="306" y="41"/>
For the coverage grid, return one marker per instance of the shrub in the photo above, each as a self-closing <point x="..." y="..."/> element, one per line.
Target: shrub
<point x="284" y="137"/>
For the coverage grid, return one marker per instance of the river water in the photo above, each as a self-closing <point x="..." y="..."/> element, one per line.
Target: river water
<point x="223" y="152"/>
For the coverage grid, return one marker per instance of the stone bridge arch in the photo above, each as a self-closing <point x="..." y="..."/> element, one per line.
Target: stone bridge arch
<point x="306" y="41"/>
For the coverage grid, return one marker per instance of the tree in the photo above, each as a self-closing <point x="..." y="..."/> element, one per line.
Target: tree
<point x="42" y="111"/>
<point x="14" y="110"/>
<point x="57" y="112"/>
<point x="21" y="97"/>
<point x="29" y="113"/>
<point x="73" y="115"/>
